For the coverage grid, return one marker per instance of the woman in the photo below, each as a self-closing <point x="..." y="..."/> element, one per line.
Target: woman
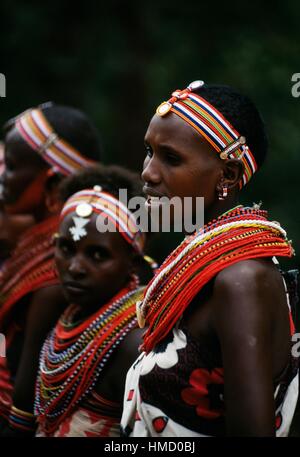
<point x="216" y="354"/>
<point x="42" y="147"/>
<point x="11" y="225"/>
<point x="85" y="358"/>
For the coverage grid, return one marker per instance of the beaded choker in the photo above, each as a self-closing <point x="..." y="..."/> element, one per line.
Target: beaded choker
<point x="240" y="234"/>
<point x="73" y="357"/>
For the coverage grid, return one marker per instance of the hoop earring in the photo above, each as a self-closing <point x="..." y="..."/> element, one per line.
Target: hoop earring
<point x="223" y="193"/>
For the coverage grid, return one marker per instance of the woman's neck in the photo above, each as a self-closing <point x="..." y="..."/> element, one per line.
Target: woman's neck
<point x="220" y="207"/>
<point x="87" y="310"/>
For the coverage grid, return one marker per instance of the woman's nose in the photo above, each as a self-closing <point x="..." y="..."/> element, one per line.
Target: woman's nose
<point x="77" y="267"/>
<point x="151" y="172"/>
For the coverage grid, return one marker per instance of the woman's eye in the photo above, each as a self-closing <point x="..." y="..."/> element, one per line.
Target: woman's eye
<point x="9" y="165"/>
<point x="149" y="152"/>
<point x="64" y="247"/>
<point x="172" y="159"/>
<point x="99" y="254"/>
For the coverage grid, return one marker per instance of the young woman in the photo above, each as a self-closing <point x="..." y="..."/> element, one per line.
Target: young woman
<point x="216" y="354"/>
<point x="42" y="146"/>
<point x="85" y="358"/>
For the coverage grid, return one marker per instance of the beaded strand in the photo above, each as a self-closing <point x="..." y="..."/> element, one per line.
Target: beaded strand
<point x="30" y="266"/>
<point x="71" y="361"/>
<point x="239" y="234"/>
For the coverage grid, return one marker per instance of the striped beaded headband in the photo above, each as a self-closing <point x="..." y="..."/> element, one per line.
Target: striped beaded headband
<point x="57" y="152"/>
<point x="212" y="125"/>
<point x="96" y="201"/>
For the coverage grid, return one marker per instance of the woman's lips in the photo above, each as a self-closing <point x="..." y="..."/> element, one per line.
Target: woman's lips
<point x="153" y="197"/>
<point x="152" y="192"/>
<point x="75" y="288"/>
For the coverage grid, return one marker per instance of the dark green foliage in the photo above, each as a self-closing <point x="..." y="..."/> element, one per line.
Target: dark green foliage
<point x="117" y="60"/>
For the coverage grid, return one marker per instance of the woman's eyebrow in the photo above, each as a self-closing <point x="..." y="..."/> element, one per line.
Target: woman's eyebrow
<point x="168" y="148"/>
<point x="164" y="147"/>
<point x="97" y="247"/>
<point x="94" y="245"/>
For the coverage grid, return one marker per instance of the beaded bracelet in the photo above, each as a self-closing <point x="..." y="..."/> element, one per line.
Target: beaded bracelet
<point x="22" y="420"/>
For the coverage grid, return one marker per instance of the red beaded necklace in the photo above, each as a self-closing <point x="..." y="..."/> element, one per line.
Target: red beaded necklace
<point x="240" y="234"/>
<point x="30" y="266"/>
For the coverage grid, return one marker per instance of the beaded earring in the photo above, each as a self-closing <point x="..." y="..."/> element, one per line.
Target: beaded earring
<point x="223" y="193"/>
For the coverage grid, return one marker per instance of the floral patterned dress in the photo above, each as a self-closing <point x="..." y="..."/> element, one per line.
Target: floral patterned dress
<point x="174" y="391"/>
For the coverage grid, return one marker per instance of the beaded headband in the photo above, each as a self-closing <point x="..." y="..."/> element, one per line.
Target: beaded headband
<point x="38" y="133"/>
<point x="89" y="201"/>
<point x="212" y="125"/>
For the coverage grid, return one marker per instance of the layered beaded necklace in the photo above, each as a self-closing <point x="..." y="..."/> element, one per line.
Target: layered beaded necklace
<point x="239" y="234"/>
<point x="74" y="355"/>
<point x="30" y="266"/>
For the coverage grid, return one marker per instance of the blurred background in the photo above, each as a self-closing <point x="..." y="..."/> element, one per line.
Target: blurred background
<point x="118" y="60"/>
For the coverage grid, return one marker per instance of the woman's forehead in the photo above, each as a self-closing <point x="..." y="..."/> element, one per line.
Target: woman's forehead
<point x="168" y="125"/>
<point x="171" y="130"/>
<point x="16" y="147"/>
<point x="13" y="138"/>
<point x="73" y="220"/>
<point x="77" y="229"/>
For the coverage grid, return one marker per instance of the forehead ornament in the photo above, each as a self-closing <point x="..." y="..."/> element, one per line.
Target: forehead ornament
<point x="95" y="201"/>
<point x="195" y="85"/>
<point x="78" y="231"/>
<point x="165" y="107"/>
<point x="83" y="210"/>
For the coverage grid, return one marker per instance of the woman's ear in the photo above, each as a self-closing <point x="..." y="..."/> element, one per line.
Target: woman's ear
<point x="233" y="172"/>
<point x="144" y="268"/>
<point x="52" y="195"/>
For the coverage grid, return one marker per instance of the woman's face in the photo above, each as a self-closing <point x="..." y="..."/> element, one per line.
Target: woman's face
<point x="179" y="161"/>
<point x="22" y="166"/>
<point x="93" y="269"/>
